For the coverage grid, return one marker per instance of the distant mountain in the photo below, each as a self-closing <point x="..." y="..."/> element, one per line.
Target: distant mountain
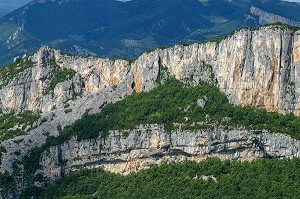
<point x="7" y="6"/>
<point x="116" y="28"/>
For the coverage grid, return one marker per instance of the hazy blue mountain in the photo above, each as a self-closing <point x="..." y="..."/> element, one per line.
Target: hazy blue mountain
<point x="7" y="6"/>
<point x="115" y="28"/>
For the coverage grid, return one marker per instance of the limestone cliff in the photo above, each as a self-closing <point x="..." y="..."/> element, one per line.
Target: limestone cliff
<point x="152" y="144"/>
<point x="257" y="67"/>
<point x="253" y="67"/>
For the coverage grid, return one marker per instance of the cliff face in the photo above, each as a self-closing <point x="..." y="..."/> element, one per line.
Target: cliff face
<point x="27" y="89"/>
<point x="150" y="145"/>
<point x="252" y="67"/>
<point x="258" y="68"/>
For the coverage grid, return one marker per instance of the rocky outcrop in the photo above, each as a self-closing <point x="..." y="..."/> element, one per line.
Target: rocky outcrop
<point x="150" y="145"/>
<point x="253" y="67"/>
<point x="258" y="67"/>
<point x="27" y="89"/>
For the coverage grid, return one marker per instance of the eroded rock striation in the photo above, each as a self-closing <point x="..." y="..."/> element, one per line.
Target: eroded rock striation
<point x="129" y="151"/>
<point x="257" y="67"/>
<point x="253" y="67"/>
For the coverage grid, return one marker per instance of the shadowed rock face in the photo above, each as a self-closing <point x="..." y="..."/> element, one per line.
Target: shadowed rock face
<point x="150" y="145"/>
<point x="265" y="17"/>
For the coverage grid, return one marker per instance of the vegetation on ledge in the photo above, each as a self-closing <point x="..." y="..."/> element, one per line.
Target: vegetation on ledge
<point x="61" y="75"/>
<point x="14" y="124"/>
<point x="174" y="102"/>
<point x="8" y="72"/>
<point x="229" y="179"/>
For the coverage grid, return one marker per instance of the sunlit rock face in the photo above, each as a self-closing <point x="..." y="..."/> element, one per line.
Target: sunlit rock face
<point x="149" y="145"/>
<point x="258" y="67"/>
<point x="253" y="67"/>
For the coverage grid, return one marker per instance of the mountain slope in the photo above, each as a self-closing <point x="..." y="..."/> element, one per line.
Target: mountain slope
<point x="7" y="6"/>
<point x="114" y="28"/>
<point x="74" y="116"/>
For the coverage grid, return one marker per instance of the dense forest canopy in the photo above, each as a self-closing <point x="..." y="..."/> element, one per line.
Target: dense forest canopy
<point x="208" y="179"/>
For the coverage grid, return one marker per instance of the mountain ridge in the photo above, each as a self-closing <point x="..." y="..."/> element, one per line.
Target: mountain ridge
<point x="86" y="85"/>
<point x="125" y="29"/>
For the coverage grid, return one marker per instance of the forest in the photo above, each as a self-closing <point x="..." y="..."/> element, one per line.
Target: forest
<point x="263" y="178"/>
<point x="169" y="103"/>
<point x="175" y="102"/>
